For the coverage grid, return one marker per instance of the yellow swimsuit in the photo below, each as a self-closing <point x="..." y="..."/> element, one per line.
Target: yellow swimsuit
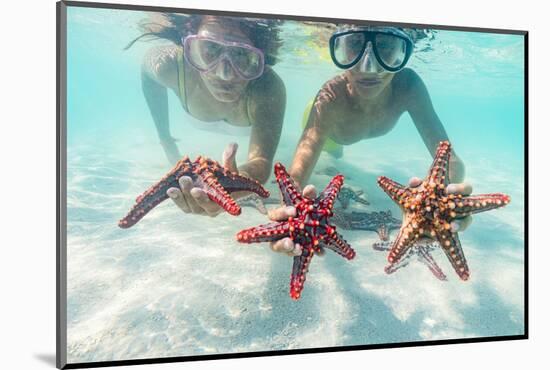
<point x="331" y="146"/>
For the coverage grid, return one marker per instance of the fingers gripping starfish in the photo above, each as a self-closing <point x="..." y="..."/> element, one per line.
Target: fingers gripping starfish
<point x="310" y="228"/>
<point x="429" y="210"/>
<point x="205" y="173"/>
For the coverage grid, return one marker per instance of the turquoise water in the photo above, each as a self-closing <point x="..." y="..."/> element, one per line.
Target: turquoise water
<point x="178" y="285"/>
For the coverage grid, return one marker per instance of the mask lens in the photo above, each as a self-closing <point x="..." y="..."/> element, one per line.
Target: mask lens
<point x="204" y="53"/>
<point x="248" y="62"/>
<point x="348" y="47"/>
<point x="391" y="50"/>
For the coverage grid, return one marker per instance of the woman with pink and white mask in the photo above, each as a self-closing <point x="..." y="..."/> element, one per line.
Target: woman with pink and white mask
<point x="220" y="69"/>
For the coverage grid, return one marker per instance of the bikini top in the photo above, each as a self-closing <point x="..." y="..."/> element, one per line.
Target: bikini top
<point x="218" y="127"/>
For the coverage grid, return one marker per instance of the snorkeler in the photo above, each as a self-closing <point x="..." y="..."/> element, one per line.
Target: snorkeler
<point x="365" y="102"/>
<point x="219" y="68"/>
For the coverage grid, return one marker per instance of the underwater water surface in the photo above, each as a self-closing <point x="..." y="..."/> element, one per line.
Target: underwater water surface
<point x="180" y="285"/>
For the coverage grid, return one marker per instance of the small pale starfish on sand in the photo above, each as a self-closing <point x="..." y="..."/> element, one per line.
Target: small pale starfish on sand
<point x="429" y="211"/>
<point x="421" y="250"/>
<point x="347" y="194"/>
<point x="380" y="222"/>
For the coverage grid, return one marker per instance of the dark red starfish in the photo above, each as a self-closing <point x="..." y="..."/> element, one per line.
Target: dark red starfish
<point x="205" y="173"/>
<point x="429" y="210"/>
<point x="310" y="228"/>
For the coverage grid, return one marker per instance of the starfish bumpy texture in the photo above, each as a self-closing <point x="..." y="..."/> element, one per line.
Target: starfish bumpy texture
<point x="429" y="210"/>
<point x="310" y="228"/>
<point x="205" y="173"/>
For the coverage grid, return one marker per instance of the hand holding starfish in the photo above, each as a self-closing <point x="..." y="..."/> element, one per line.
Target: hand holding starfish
<point x="192" y="199"/>
<point x="282" y="213"/>
<point x="463" y="188"/>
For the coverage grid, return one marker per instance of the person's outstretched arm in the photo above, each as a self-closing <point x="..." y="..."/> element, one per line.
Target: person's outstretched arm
<point x="420" y="107"/>
<point x="266" y="111"/>
<point x="159" y="71"/>
<point x="311" y="142"/>
<point x="431" y="130"/>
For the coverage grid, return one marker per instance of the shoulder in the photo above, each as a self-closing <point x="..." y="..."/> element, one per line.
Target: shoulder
<point x="409" y="87"/>
<point x="161" y="64"/>
<point x="269" y="85"/>
<point x="332" y="98"/>
<point x="408" y="81"/>
<point x="266" y="95"/>
<point x="333" y="90"/>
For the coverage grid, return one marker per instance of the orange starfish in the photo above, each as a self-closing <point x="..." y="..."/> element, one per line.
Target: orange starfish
<point x="429" y="210"/>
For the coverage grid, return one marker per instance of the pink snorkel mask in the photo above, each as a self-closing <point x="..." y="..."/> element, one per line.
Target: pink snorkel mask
<point x="204" y="54"/>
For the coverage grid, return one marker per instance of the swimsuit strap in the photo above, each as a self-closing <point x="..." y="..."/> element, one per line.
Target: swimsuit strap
<point x="181" y="79"/>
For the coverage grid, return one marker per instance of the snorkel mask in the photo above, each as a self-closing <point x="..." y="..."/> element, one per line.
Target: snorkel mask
<point x="204" y="54"/>
<point x="391" y="46"/>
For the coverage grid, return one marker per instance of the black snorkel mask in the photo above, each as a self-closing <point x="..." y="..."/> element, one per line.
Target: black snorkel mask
<point x="392" y="47"/>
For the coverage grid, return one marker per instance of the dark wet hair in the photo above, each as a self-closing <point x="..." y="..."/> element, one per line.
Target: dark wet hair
<point x="264" y="33"/>
<point x="416" y="34"/>
<point x="322" y="31"/>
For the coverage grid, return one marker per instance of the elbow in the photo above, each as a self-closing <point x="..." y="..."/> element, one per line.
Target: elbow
<point x="263" y="175"/>
<point x="257" y="169"/>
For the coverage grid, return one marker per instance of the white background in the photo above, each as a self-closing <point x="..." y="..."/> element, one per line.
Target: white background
<point x="27" y="158"/>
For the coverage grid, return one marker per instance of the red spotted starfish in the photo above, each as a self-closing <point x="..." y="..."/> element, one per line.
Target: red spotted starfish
<point x="205" y="173"/>
<point x="310" y="228"/>
<point x="429" y="210"/>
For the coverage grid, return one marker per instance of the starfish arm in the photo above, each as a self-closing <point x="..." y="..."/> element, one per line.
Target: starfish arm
<point x="453" y="250"/>
<point x="386" y="218"/>
<point x="344" y="202"/>
<point x="339" y="245"/>
<point x="253" y="200"/>
<point x="397" y="192"/>
<point x="233" y="182"/>
<point x="330" y="192"/>
<point x="260" y="206"/>
<point x="402" y="262"/>
<point x="383" y="232"/>
<point x="341" y="219"/>
<point x="379" y="222"/>
<point x="393" y="224"/>
<point x="156" y="194"/>
<point x="264" y="233"/>
<point x="427" y="259"/>
<point x="290" y="191"/>
<point x="382" y="246"/>
<point x="367" y="225"/>
<point x="359" y="199"/>
<point x="439" y="170"/>
<point x="478" y="203"/>
<point x="151" y="198"/>
<point x="402" y="244"/>
<point x="299" y="270"/>
<point x="366" y="221"/>
<point x="216" y="192"/>
<point x="393" y="267"/>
